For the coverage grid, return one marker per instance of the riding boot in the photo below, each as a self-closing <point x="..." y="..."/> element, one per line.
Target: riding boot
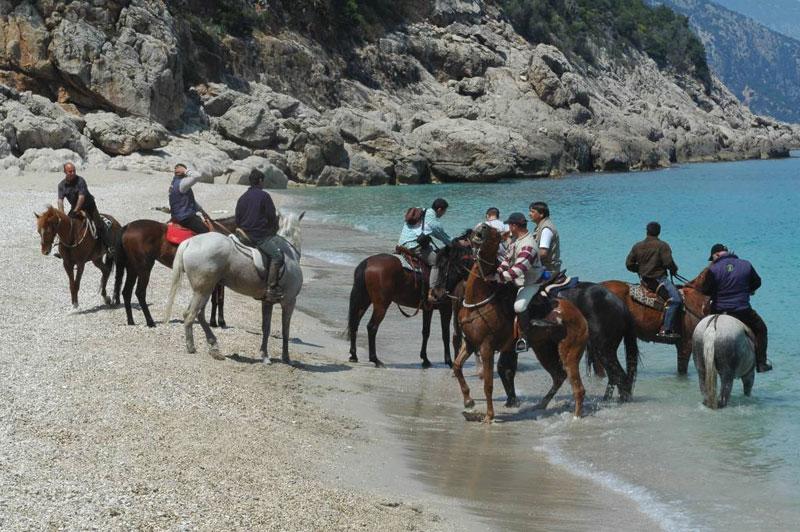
<point x="273" y="294"/>
<point x="539" y="307"/>
<point x="523" y="325"/>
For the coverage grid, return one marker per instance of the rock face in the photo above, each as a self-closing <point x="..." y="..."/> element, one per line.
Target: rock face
<point x="454" y="94"/>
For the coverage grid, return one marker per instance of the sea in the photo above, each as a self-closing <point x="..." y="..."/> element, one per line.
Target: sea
<point x="664" y="455"/>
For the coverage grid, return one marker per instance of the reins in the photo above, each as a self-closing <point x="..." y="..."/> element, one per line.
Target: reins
<point x="58" y="239"/>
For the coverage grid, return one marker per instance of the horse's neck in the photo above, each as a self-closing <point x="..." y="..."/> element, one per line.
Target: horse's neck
<point x="477" y="289"/>
<point x="695" y="302"/>
<point x="65" y="228"/>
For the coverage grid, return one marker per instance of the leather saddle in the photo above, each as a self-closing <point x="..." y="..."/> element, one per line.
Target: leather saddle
<point x="245" y="245"/>
<point x="649" y="294"/>
<point x="412" y="262"/>
<point x="557" y="283"/>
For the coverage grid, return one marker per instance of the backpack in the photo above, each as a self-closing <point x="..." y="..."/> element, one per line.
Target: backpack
<point x="414" y="216"/>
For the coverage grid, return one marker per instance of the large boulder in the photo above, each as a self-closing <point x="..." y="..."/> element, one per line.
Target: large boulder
<point x="375" y="171"/>
<point x="472" y="150"/>
<point x="240" y="172"/>
<point x="336" y="176"/>
<point x="26" y="130"/>
<point x="446" y="12"/>
<point x="251" y="124"/>
<point x="122" y="136"/>
<point x="23" y="41"/>
<point x="48" y="159"/>
<point x="331" y="145"/>
<point x="358" y="126"/>
<point x="546" y="69"/>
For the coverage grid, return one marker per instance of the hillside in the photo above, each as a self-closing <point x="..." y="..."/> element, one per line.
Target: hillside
<point x="760" y="66"/>
<point x="364" y="92"/>
<point x="782" y="16"/>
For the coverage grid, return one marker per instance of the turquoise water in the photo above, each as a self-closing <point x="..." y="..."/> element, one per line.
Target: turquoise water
<point x="687" y="467"/>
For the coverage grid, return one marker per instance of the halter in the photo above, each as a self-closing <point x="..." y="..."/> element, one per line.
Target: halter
<point x="57" y="239"/>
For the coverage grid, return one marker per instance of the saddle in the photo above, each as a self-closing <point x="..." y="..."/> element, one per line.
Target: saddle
<point x="558" y="283"/>
<point x="176" y="233"/>
<point x="247" y="248"/>
<point x="654" y="297"/>
<point x="412" y="262"/>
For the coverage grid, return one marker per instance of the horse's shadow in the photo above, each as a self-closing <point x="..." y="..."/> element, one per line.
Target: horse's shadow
<point x="310" y="368"/>
<point x="95" y="309"/>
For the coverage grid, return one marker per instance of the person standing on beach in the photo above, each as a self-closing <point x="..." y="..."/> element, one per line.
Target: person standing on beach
<point x="419" y="239"/>
<point x="182" y="205"/>
<point x="257" y="217"/>
<point x="652" y="259"/>
<point x="730" y="282"/>
<point x="548" y="242"/>
<point x="73" y="188"/>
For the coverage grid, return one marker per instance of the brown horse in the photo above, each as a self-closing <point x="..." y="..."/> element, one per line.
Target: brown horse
<point x="381" y="280"/>
<point x="77" y="246"/>
<point x="648" y="320"/>
<point x="143" y="243"/>
<point x="487" y="320"/>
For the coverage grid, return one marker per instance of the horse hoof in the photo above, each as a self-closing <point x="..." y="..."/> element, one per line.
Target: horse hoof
<point x="222" y="325"/>
<point x="469" y="403"/>
<point x="512" y="402"/>
<point x="353" y="358"/>
<point x="151" y="325"/>
<point x="449" y="363"/>
<point x="378" y="363"/>
<point x="286" y="360"/>
<point x="75" y="306"/>
<point x="215" y="354"/>
<point x="426" y="364"/>
<point x="191" y="350"/>
<point x="266" y="361"/>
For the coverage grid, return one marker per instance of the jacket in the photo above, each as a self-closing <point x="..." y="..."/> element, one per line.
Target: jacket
<point x="651" y="259"/>
<point x="729" y="283"/>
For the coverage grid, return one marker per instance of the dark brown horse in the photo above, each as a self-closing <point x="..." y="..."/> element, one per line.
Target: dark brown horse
<point x="648" y="320"/>
<point x="381" y="280"/>
<point x="144" y="243"/>
<point x="77" y="246"/>
<point x="487" y="319"/>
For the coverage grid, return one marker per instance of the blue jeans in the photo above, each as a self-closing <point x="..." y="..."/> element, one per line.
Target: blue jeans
<point x="674" y="303"/>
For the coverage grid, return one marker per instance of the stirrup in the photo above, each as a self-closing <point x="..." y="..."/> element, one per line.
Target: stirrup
<point x="542" y="323"/>
<point x="521" y="346"/>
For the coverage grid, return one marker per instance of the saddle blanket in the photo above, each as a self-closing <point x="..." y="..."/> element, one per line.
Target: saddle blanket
<point x="407" y="265"/>
<point x="552" y="290"/>
<point x="645" y="297"/>
<point x="177" y="233"/>
<point x="254" y="253"/>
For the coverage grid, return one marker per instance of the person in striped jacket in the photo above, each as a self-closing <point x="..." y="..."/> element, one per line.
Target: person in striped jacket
<point x="523" y="267"/>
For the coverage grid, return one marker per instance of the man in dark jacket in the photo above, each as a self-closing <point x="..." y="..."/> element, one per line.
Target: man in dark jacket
<point x="182" y="205"/>
<point x="730" y="282"/>
<point x="73" y="188"/>
<point x="652" y="259"/>
<point x="256" y="216"/>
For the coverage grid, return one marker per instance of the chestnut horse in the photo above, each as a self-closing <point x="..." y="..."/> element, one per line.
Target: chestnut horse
<point x="648" y="320"/>
<point x="77" y="246"/>
<point x="143" y="243"/>
<point x="381" y="280"/>
<point x="487" y="320"/>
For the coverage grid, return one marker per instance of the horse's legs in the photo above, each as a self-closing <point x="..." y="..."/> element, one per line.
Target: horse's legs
<point x="212" y="319"/>
<point x="266" y="326"/>
<point x="487" y="356"/>
<point x="141" y="294"/>
<point x="70" y="269"/>
<point x="78" y="274"/>
<point x="570" y="355"/>
<point x="427" y="315"/>
<point x="127" y="291"/>
<point x="463" y="355"/>
<point x="213" y="346"/>
<point x="548" y="358"/>
<point x="196" y="305"/>
<point x="378" y="313"/>
<point x="684" y="349"/>
<point x="105" y="270"/>
<point x="445" y="313"/>
<point x="218" y="306"/>
<point x="352" y="328"/>
<point x="616" y="374"/>
<point x="747" y="381"/>
<point x="727" y="385"/>
<point x="287" y="308"/>
<point x="507" y="369"/>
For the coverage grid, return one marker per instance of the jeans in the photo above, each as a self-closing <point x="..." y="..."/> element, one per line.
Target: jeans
<point x="194" y="223"/>
<point x="673" y="304"/>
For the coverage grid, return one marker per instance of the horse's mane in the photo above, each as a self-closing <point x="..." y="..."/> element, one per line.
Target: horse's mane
<point x="289" y="228"/>
<point x="48" y="214"/>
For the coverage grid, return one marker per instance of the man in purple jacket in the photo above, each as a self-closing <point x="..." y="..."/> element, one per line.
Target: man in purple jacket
<point x="729" y="283"/>
<point x="257" y="217"/>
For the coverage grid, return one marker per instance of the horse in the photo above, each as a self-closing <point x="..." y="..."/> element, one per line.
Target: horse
<point x="143" y="243"/>
<point x="722" y="344"/>
<point x="487" y="319"/>
<point x="379" y="281"/>
<point x="77" y="246"/>
<point x="609" y="322"/>
<point x="212" y="258"/>
<point x="648" y="320"/>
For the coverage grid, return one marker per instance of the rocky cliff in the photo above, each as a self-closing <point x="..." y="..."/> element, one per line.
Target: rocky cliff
<point x="449" y="93"/>
<point x="760" y="66"/>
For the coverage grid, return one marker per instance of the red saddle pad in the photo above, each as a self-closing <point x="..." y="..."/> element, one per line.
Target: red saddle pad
<point x="177" y="233"/>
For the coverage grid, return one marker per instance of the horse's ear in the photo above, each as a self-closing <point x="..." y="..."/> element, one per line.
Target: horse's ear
<point x="35" y="215"/>
<point x="301" y="216"/>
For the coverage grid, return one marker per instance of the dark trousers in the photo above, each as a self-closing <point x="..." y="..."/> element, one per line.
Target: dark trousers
<point x="270" y="249"/>
<point x="103" y="232"/>
<point x="751" y="318"/>
<point x="194" y="223"/>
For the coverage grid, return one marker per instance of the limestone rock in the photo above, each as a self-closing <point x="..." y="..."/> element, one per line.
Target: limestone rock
<point x="375" y="171"/>
<point x="331" y="145"/>
<point x="334" y="175"/>
<point x="448" y="11"/>
<point x="240" y="171"/>
<point x="250" y="124"/>
<point x="48" y="159"/>
<point x="23" y="41"/>
<point x="356" y="126"/>
<point x="122" y="136"/>
<point x="473" y="87"/>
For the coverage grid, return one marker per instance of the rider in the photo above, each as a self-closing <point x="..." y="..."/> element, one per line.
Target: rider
<point x="652" y="259"/>
<point x="417" y="238"/>
<point x="523" y="267"/>
<point x="257" y="217"/>
<point x="493" y="219"/>
<point x="183" y="206"/>
<point x="73" y="187"/>
<point x="730" y="282"/>
<point x="547" y="241"/>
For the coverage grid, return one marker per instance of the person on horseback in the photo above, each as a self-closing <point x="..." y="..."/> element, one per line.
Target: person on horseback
<point x="418" y="238"/>
<point x="492" y="219"/>
<point x="548" y="242"/>
<point x="729" y="283"/>
<point x="73" y="188"/>
<point x="652" y="259"/>
<point x="523" y="267"/>
<point x="182" y="205"/>
<point x="257" y="217"/>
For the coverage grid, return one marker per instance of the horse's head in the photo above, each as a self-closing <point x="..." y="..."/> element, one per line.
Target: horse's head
<point x="486" y="240"/>
<point x="47" y="225"/>
<point x="454" y="262"/>
<point x="289" y="228"/>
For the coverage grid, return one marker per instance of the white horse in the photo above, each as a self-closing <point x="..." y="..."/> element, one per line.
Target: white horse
<point x="722" y="344"/>
<point x="211" y="258"/>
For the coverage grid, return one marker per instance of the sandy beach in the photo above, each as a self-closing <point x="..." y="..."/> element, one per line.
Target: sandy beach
<point x="109" y="426"/>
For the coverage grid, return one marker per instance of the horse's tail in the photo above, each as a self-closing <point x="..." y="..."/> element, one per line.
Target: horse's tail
<point x="177" y="272"/>
<point x="632" y="354"/>
<point x="359" y="299"/>
<point x="709" y="339"/>
<point x="120" y="261"/>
